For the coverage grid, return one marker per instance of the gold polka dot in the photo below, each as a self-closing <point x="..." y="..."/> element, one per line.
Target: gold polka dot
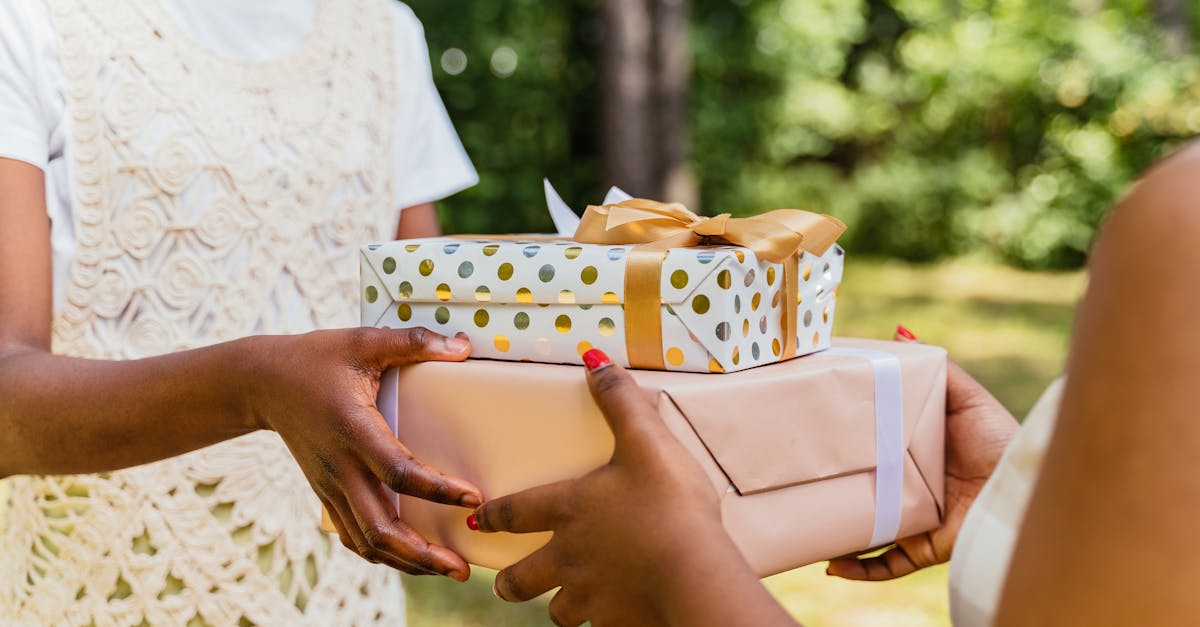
<point x="524" y="295"/>
<point x="825" y="316"/>
<point x="771" y="275"/>
<point x="572" y="252"/>
<point x="607" y="327"/>
<point x="610" y="298"/>
<point x="389" y="265"/>
<point x="426" y="267"/>
<point x="700" y="304"/>
<point x="737" y="356"/>
<point x="740" y="255"/>
<point x="505" y="271"/>
<point x="562" y="324"/>
<point x="404" y="312"/>
<point x="816" y="338"/>
<point x="566" y="297"/>
<point x="715" y="366"/>
<point x="502" y="343"/>
<point x="776" y="347"/>
<point x="521" y="321"/>
<point x="746" y="327"/>
<point x="679" y="279"/>
<point x="443" y="292"/>
<point x="800" y="298"/>
<point x="584" y="347"/>
<point x="483" y="294"/>
<point x="405" y="289"/>
<point x="807" y="272"/>
<point x="442" y="315"/>
<point x="372" y="293"/>
<point x="674" y="356"/>
<point x="755" y="301"/>
<point x="724" y="279"/>
<point x="412" y="248"/>
<point x="490" y="250"/>
<point x="589" y="275"/>
<point x="775" y="299"/>
<point x="481" y="318"/>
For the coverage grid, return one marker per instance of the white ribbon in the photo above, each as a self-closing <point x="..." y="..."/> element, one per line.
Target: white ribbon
<point x="889" y="441"/>
<point x="566" y="221"/>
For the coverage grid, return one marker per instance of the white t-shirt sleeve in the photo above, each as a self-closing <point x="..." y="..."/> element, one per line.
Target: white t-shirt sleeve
<point x="24" y="45"/>
<point x="431" y="163"/>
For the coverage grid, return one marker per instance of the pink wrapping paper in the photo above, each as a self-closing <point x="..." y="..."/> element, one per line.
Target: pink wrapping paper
<point x="790" y="446"/>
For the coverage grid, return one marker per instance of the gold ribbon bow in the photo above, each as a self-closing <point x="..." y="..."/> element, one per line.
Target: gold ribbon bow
<point x="777" y="236"/>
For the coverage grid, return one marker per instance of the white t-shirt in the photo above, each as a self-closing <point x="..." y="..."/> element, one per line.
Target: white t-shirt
<point x="34" y="125"/>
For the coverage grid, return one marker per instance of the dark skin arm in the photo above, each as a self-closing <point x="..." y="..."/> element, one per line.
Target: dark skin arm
<point x="1111" y="531"/>
<point x="419" y="221"/>
<point x="63" y="415"/>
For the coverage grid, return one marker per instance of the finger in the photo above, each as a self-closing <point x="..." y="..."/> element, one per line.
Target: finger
<point x="963" y="391"/>
<point x="396" y="347"/>
<point x="624" y="405"/>
<point x="535" y="509"/>
<point x="342" y="533"/>
<point x="890" y="564"/>
<point x="531" y="577"/>
<point x="384" y="538"/>
<point x="565" y="610"/>
<point x="394" y="465"/>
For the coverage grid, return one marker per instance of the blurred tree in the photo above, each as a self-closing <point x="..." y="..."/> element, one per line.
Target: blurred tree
<point x="996" y="127"/>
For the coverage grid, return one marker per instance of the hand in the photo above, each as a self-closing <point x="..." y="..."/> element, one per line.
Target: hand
<point x="624" y="533"/>
<point x="978" y="429"/>
<point x="318" y="392"/>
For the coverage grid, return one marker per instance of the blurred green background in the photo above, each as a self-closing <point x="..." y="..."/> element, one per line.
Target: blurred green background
<point x="972" y="148"/>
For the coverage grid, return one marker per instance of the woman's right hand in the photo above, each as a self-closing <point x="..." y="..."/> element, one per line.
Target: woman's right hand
<point x="318" y="391"/>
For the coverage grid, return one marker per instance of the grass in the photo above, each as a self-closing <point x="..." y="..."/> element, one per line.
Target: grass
<point x="1007" y="327"/>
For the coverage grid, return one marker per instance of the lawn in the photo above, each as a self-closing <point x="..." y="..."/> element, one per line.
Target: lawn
<point x="1009" y="328"/>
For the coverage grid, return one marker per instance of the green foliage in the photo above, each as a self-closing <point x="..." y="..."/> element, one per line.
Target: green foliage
<point x="933" y="128"/>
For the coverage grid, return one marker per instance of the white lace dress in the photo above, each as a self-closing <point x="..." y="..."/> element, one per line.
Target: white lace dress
<point x="210" y="199"/>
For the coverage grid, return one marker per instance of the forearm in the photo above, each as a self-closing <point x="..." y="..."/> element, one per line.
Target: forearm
<point x="714" y="586"/>
<point x="62" y="415"/>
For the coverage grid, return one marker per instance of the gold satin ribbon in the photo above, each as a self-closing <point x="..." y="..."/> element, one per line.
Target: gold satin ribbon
<point x="777" y="236"/>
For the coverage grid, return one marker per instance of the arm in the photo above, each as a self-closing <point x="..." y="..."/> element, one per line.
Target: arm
<point x="66" y="415"/>
<point x="1112" y="525"/>
<point x="636" y="542"/>
<point x="419" y="221"/>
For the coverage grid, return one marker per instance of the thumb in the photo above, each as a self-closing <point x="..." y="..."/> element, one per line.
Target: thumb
<point x="397" y="347"/>
<point x="962" y="390"/>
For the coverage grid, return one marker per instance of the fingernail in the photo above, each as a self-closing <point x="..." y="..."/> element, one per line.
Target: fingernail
<point x="459" y="576"/>
<point x="470" y="500"/>
<point x="457" y="344"/>
<point x="596" y="359"/>
<point x="495" y="592"/>
<point x="905" y="333"/>
<point x="472" y="523"/>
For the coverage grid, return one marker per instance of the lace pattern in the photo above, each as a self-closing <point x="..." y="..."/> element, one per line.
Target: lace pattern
<point x="213" y="199"/>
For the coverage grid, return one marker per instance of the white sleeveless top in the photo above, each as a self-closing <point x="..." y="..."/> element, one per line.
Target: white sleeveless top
<point x="209" y="199"/>
<point x="988" y="536"/>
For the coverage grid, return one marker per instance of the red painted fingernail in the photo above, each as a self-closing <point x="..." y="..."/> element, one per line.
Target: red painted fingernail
<point x="595" y="359"/>
<point x="905" y="333"/>
<point x="472" y="523"/>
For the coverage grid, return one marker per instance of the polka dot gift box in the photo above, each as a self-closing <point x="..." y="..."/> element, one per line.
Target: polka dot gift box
<point x="698" y="307"/>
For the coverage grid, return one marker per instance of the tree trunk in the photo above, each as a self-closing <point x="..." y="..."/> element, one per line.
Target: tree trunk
<point x="1172" y="17"/>
<point x="627" y="79"/>
<point x="676" y="181"/>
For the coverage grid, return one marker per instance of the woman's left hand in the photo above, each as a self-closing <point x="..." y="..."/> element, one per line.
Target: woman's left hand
<point x="978" y="430"/>
<point x="636" y="542"/>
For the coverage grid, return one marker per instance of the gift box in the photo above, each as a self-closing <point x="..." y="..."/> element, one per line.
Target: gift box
<point x="641" y="280"/>
<point x="813" y="458"/>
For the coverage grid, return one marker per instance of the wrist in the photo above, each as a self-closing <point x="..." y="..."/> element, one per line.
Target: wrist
<point x="250" y="378"/>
